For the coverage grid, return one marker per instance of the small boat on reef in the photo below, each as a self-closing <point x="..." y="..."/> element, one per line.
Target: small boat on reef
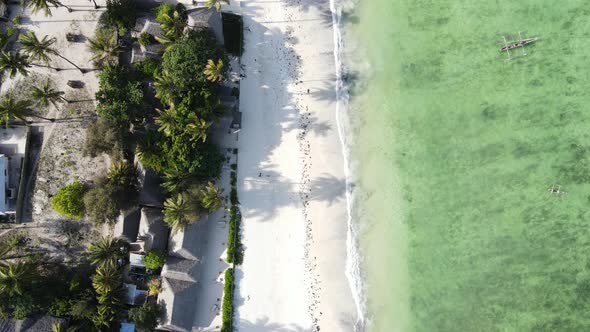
<point x="517" y="44"/>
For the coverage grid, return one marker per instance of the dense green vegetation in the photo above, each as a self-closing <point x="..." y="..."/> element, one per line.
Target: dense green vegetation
<point x="235" y="253"/>
<point x="116" y="191"/>
<point x="228" y="302"/>
<point x="69" y="200"/>
<point x="145" y="317"/>
<point x="120" y="14"/>
<point x="120" y="95"/>
<point x="154" y="259"/>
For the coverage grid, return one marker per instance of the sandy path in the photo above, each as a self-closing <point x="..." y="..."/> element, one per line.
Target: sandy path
<point x="291" y="181"/>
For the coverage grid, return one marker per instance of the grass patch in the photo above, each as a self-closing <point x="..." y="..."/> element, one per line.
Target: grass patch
<point x="228" y="299"/>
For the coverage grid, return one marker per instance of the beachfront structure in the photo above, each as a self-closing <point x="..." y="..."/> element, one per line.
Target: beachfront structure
<point x="205" y="18"/>
<point x="153" y="231"/>
<point x="37" y="323"/>
<point x="179" y="279"/>
<point x="13" y="151"/>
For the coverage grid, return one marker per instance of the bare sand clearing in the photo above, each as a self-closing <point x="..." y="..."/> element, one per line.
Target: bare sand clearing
<point x="291" y="173"/>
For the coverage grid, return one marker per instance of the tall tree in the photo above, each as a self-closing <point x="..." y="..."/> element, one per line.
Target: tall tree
<point x="16" y="277"/>
<point x="180" y="211"/>
<point x="214" y="71"/>
<point x="43" y="5"/>
<point x="40" y="49"/>
<point x="216" y="3"/>
<point x="107" y="251"/>
<point x="172" y="26"/>
<point x="211" y="197"/>
<point x="198" y="128"/>
<point x="105" y="46"/>
<point x="45" y="95"/>
<point x="106" y="280"/>
<point x="166" y="120"/>
<point x="165" y="88"/>
<point x="18" y="109"/>
<point x="14" y="63"/>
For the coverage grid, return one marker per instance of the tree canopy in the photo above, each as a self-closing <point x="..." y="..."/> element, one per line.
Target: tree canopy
<point x="120" y="95"/>
<point x="69" y="200"/>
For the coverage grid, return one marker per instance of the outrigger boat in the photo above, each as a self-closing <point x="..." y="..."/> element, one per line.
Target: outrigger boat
<point x="520" y="43"/>
<point x="517" y="44"/>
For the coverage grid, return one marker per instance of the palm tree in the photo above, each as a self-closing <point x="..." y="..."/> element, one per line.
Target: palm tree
<point x="123" y="174"/>
<point x="18" y="109"/>
<point x="15" y="277"/>
<point x="165" y="88"/>
<point x="211" y="197"/>
<point x="14" y="63"/>
<point x="216" y="3"/>
<point x="198" y="127"/>
<point x="166" y="120"/>
<point x="214" y="71"/>
<point x="179" y="212"/>
<point x="45" y="95"/>
<point x="175" y="180"/>
<point x="43" y="5"/>
<point x="107" y="251"/>
<point x="172" y="27"/>
<point x="106" y="279"/>
<point x="105" y="46"/>
<point x="39" y="50"/>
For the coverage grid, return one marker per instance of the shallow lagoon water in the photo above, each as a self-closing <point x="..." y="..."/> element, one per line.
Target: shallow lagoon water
<point x="457" y="149"/>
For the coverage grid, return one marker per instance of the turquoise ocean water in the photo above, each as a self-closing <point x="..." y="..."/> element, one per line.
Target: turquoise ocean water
<point x="457" y="148"/>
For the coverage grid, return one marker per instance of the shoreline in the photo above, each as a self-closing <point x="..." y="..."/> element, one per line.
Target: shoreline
<point x="295" y="206"/>
<point x="343" y="121"/>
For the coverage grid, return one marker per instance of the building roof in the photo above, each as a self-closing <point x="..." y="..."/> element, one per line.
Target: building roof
<point x="187" y="243"/>
<point x="127" y="327"/>
<point x="127" y="225"/>
<point x="203" y="17"/>
<point x="180" y="269"/>
<point x="140" y="53"/>
<point x="3" y="180"/>
<point x="153" y="230"/>
<point x="178" y="298"/>
<point x="151" y="192"/>
<point x="38" y="323"/>
<point x="147" y="24"/>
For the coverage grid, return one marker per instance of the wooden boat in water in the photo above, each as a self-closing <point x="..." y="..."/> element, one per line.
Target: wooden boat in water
<point x="517" y="44"/>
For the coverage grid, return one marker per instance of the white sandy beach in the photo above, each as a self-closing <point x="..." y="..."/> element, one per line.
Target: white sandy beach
<point x="291" y="173"/>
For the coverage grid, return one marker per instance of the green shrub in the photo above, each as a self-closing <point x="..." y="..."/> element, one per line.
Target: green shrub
<point x="144" y="39"/>
<point x="69" y="200"/>
<point x="233" y="178"/>
<point x="111" y="194"/>
<point x="120" y="13"/>
<point x="154" y="259"/>
<point x="17" y="19"/>
<point x="233" y="196"/>
<point x="146" y="316"/>
<point x="120" y="95"/>
<point x="161" y="10"/>
<point x="103" y="137"/>
<point x="149" y="68"/>
<point x="228" y="298"/>
<point x="234" y="167"/>
<point x="60" y="307"/>
<point x="235" y="254"/>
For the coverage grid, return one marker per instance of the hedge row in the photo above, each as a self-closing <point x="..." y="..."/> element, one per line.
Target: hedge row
<point x="234" y="245"/>
<point x="228" y="299"/>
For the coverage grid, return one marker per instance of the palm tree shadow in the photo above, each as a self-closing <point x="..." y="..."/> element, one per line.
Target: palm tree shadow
<point x="327" y="188"/>
<point x="265" y="325"/>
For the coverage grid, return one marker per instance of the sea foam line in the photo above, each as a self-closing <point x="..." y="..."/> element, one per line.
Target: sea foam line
<point x="353" y="269"/>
